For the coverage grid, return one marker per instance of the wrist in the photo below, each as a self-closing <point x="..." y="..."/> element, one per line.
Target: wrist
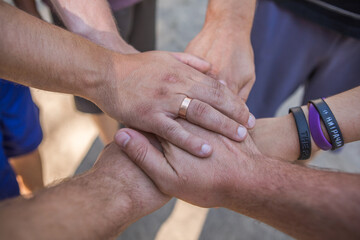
<point x="290" y="139"/>
<point x="229" y="15"/>
<point x="278" y="137"/>
<point x="291" y="125"/>
<point x="227" y="26"/>
<point x="267" y="188"/>
<point x="248" y="193"/>
<point x="98" y="79"/>
<point x="314" y="147"/>
<point x="114" y="195"/>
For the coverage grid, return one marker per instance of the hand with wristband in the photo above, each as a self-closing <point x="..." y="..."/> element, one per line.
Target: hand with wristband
<point x="243" y="178"/>
<point x="278" y="137"/>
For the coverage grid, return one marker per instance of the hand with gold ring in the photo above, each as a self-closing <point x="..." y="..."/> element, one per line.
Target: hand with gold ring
<point x="146" y="91"/>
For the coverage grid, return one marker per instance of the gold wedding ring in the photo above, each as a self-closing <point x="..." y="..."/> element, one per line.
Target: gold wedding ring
<point x="184" y="106"/>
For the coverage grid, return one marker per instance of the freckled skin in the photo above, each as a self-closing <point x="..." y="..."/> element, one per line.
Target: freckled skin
<point x="161" y="92"/>
<point x="143" y="109"/>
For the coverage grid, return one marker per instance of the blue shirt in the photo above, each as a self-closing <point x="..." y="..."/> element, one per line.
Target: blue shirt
<point x="20" y="131"/>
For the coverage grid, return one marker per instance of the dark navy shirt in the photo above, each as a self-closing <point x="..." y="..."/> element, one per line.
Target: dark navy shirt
<point x="340" y="15"/>
<point x="8" y="184"/>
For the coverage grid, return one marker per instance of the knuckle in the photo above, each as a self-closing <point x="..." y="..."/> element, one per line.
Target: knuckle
<point x="218" y="121"/>
<point x="217" y="95"/>
<point x="216" y="84"/>
<point x="240" y="111"/>
<point x="224" y="125"/>
<point x="229" y="145"/>
<point x="242" y="116"/>
<point x="183" y="179"/>
<point x="169" y="130"/>
<point x="140" y="154"/>
<point x="244" y="112"/>
<point x="171" y="78"/>
<point x="200" y="110"/>
<point x="214" y="72"/>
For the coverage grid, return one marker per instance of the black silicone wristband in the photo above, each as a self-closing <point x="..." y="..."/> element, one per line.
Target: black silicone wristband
<point x="303" y="131"/>
<point x="330" y="123"/>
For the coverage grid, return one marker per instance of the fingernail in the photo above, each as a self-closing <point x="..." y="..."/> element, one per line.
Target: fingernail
<point x="241" y="131"/>
<point x="251" y="121"/>
<point x="122" y="138"/>
<point x="222" y="82"/>
<point x="205" y="149"/>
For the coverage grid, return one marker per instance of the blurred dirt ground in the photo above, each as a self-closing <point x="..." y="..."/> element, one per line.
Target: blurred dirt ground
<point x="68" y="135"/>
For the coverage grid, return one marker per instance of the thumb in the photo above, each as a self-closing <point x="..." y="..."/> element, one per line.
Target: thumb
<point x="193" y="61"/>
<point x="145" y="156"/>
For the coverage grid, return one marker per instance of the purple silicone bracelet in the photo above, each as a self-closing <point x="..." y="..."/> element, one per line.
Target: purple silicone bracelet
<point x="315" y="129"/>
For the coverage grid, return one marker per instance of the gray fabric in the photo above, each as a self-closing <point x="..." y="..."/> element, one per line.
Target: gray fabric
<point x="291" y="51"/>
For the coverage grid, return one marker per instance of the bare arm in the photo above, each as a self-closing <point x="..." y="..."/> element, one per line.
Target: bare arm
<point x="46" y="57"/>
<point x="94" y="21"/>
<point x="302" y="202"/>
<point x="97" y="205"/>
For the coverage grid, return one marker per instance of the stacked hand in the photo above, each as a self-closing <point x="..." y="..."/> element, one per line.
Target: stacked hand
<point x="232" y="168"/>
<point x="146" y="90"/>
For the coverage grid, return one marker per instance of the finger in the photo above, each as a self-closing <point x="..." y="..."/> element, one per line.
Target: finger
<point x="204" y="115"/>
<point x="221" y="98"/>
<point x="244" y="94"/>
<point x="144" y="155"/>
<point x="173" y="132"/>
<point x="245" y="90"/>
<point x="223" y="82"/>
<point x="193" y="61"/>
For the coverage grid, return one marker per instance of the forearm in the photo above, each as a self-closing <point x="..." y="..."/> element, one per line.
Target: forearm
<point x="93" y="21"/>
<point x="239" y="13"/>
<point x="47" y="57"/>
<point x="345" y="107"/>
<point x="88" y="207"/>
<point x="303" y="202"/>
